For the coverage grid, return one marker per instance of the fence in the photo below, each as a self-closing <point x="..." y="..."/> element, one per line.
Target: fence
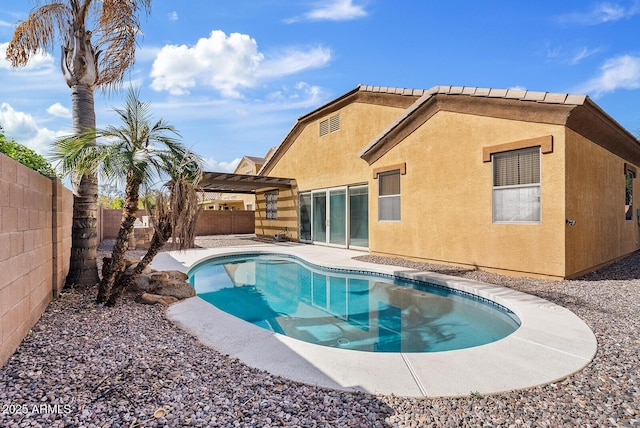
<point x="35" y="246"/>
<point x="210" y="222"/>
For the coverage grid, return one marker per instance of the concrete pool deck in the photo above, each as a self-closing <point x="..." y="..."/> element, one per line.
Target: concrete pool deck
<point x="551" y="344"/>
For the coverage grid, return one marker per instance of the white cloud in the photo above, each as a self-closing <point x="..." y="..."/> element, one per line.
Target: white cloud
<point x="302" y="95"/>
<point x="58" y="110"/>
<point x="227" y="64"/>
<point x="232" y="113"/>
<point x="147" y="53"/>
<point x="23" y="128"/>
<point x="213" y="165"/>
<point x="224" y="63"/>
<point x="572" y="55"/>
<point x="39" y="61"/>
<point x="621" y="72"/>
<point x="294" y="61"/>
<point x="332" y="10"/>
<point x="173" y="16"/>
<point x="584" y="53"/>
<point x="601" y="13"/>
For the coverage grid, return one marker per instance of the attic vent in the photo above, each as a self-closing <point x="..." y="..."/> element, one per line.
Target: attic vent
<point x="334" y="123"/>
<point x="330" y="125"/>
<point x="324" y="127"/>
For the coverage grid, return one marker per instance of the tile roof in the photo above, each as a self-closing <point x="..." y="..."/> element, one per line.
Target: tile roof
<point x="426" y="95"/>
<point x="391" y="90"/>
<point x="515" y="94"/>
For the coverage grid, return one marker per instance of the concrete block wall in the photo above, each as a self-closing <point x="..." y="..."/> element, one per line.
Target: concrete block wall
<point x="225" y="222"/>
<point x="210" y="222"/>
<point x="110" y="223"/>
<point x="62" y="205"/>
<point x="35" y="244"/>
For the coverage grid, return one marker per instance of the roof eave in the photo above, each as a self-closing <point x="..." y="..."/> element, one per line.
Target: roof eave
<point x="398" y="97"/>
<point x="440" y="98"/>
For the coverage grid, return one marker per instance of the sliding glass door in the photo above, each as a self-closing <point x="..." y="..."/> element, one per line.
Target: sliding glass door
<point x="336" y="217"/>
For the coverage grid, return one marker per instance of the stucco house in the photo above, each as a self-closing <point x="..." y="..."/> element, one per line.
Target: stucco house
<point x="515" y="181"/>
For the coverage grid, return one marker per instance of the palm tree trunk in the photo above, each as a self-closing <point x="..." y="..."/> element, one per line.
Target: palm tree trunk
<point x="124" y="280"/>
<point x="83" y="268"/>
<point x="116" y="265"/>
<point x="157" y="242"/>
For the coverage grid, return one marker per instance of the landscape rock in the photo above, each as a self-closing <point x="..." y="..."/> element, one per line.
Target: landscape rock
<point x="177" y="274"/>
<point x="142" y="283"/>
<point x="146" y="271"/>
<point x="152" y="299"/>
<point x="163" y="283"/>
<point x="174" y="287"/>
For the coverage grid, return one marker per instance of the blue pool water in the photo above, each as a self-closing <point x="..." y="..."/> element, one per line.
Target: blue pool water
<point x="347" y="310"/>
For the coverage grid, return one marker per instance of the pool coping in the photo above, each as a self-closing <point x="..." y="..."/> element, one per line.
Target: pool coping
<point x="551" y="343"/>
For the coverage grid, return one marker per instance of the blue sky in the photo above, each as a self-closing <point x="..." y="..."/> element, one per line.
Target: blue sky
<point x="233" y="76"/>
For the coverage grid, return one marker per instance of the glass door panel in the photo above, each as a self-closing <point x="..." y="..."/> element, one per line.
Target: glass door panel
<point x="338" y="217"/>
<point x="319" y="223"/>
<point x="304" y="234"/>
<point x="359" y="217"/>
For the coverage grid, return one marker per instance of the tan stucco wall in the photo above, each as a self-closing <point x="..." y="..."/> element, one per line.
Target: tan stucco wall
<point x="323" y="162"/>
<point x="595" y="184"/>
<point x="332" y="160"/>
<point x="446" y="198"/>
<point x="287" y="215"/>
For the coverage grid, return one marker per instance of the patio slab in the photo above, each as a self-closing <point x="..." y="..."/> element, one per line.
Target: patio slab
<point x="551" y="344"/>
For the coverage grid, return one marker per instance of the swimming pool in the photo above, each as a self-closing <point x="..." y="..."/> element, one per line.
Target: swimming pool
<point x="346" y="309"/>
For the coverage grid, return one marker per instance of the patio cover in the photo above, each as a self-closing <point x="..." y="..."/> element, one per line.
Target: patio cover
<point x="223" y="182"/>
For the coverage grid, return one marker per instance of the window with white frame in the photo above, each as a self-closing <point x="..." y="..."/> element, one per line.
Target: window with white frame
<point x="516" y="186"/>
<point x="389" y="195"/>
<point x="272" y="205"/>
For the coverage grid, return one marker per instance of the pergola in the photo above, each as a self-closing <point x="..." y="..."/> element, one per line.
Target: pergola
<point x="223" y="182"/>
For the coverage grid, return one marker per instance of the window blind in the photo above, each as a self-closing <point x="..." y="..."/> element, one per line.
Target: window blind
<point x="517" y="167"/>
<point x="389" y="183"/>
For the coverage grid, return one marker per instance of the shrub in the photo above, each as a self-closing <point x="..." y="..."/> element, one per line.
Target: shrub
<point x="26" y="156"/>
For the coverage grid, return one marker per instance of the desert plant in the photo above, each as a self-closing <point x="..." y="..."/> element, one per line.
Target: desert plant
<point x="173" y="217"/>
<point x="136" y="153"/>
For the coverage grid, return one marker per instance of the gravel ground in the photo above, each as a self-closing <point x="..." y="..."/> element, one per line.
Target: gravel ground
<point x="87" y="365"/>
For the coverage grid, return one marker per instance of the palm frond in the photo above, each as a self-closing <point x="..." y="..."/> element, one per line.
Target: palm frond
<point x="38" y="33"/>
<point x="119" y="26"/>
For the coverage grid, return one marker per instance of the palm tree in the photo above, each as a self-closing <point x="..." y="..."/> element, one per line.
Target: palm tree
<point x="89" y="60"/>
<point x="174" y="216"/>
<point x="135" y="153"/>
